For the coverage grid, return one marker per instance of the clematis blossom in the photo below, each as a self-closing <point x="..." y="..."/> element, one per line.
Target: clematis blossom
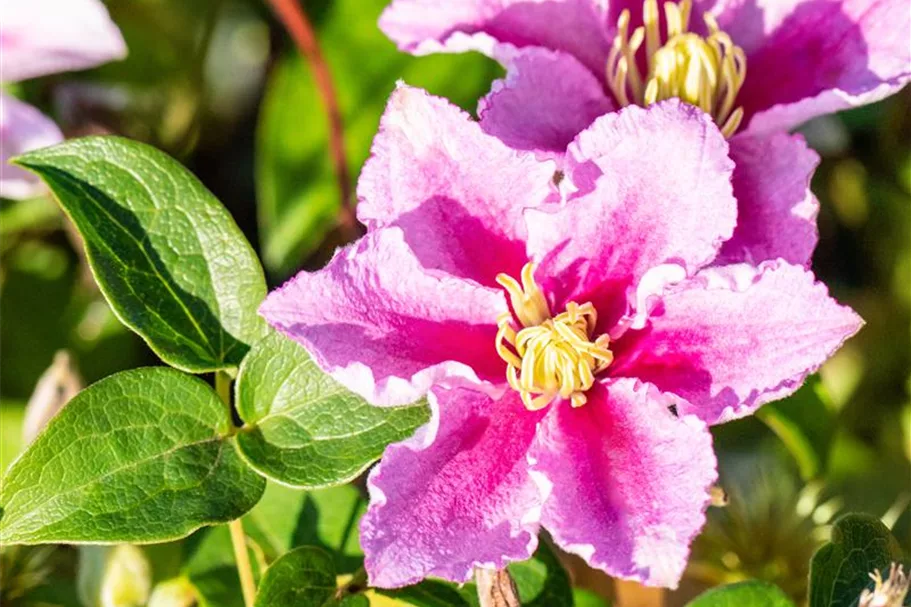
<point x="37" y="38"/>
<point x="759" y="67"/>
<point x="573" y="333"/>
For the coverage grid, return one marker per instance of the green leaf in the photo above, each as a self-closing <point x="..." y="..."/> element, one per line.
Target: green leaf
<point x="303" y="577"/>
<point x="303" y="428"/>
<point x="753" y="593"/>
<point x="839" y="571"/>
<point x="286" y="518"/>
<point x="212" y="570"/>
<point x="542" y="581"/>
<point x="142" y="456"/>
<point x="166" y="254"/>
<point x="587" y="598"/>
<point x="297" y="189"/>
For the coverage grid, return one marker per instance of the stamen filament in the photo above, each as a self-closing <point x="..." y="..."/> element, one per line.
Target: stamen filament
<point x="548" y="357"/>
<point x="706" y="72"/>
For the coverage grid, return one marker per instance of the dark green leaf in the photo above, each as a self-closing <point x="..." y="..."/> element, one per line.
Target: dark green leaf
<point x="142" y="456"/>
<point x="743" y="594"/>
<point x="839" y="571"/>
<point x="297" y="190"/>
<point x="167" y="255"/>
<point x="304" y="428"/>
<point x="303" y="577"/>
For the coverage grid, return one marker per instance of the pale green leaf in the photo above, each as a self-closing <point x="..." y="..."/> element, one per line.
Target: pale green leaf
<point x="142" y="456"/>
<point x="287" y="518"/>
<point x="303" y="428"/>
<point x="753" y="593"/>
<point x="303" y="577"/>
<point x="167" y="255"/>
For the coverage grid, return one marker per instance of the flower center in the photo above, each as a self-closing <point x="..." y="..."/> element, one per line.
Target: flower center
<point x="703" y="71"/>
<point x="548" y="356"/>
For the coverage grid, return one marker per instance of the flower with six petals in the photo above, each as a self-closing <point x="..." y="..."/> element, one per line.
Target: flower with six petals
<point x="575" y="333"/>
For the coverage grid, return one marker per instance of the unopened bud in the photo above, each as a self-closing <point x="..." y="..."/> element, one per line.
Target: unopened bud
<point x="56" y="386"/>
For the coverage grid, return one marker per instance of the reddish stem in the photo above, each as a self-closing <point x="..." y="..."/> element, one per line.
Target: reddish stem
<point x="298" y="26"/>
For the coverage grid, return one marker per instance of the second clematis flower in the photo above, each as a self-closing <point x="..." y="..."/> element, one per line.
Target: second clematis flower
<point x="571" y="332"/>
<point x="758" y="67"/>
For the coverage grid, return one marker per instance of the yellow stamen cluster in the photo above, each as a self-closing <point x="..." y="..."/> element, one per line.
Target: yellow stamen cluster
<point x="703" y="71"/>
<point x="548" y="357"/>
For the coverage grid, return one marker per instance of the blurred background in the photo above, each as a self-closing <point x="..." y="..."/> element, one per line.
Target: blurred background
<point x="219" y="85"/>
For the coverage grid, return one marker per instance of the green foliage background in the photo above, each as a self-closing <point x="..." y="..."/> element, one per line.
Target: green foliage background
<point x="216" y="84"/>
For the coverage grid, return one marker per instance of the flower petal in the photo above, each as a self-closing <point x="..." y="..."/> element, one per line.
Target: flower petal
<point x="40" y="37"/>
<point x="532" y="110"/>
<point x="736" y="337"/>
<point x="22" y="129"/>
<point x="776" y="209"/>
<point x="456" y="495"/>
<point x="654" y="187"/>
<point x="578" y="27"/>
<point x="806" y="58"/>
<point x="630" y="481"/>
<point x="457" y="192"/>
<point x="387" y="328"/>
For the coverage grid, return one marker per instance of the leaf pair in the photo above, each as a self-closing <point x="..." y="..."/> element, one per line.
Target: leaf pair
<point x="149" y="455"/>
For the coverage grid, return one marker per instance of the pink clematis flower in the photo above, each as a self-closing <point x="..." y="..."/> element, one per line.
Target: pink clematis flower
<point x="759" y="67"/>
<point x="37" y="38"/>
<point x="569" y="331"/>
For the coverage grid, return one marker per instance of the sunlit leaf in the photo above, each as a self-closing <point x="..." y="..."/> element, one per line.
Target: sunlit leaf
<point x="303" y="577"/>
<point x="142" y="456"/>
<point x="743" y="594"/>
<point x="287" y="518"/>
<point x="167" y="255"/>
<point x="303" y="428"/>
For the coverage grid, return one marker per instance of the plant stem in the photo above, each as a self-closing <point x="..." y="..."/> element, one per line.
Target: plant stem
<point x="238" y="539"/>
<point x="244" y="569"/>
<point x="298" y="26"/>
<point x="223" y="388"/>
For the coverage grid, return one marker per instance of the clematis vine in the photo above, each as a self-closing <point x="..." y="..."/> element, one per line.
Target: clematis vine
<point x="37" y="38"/>
<point x="574" y="333"/>
<point x="759" y="68"/>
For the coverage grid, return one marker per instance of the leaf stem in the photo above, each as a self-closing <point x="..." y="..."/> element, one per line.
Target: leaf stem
<point x="298" y="26"/>
<point x="223" y="388"/>
<point x="238" y="538"/>
<point x="244" y="568"/>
